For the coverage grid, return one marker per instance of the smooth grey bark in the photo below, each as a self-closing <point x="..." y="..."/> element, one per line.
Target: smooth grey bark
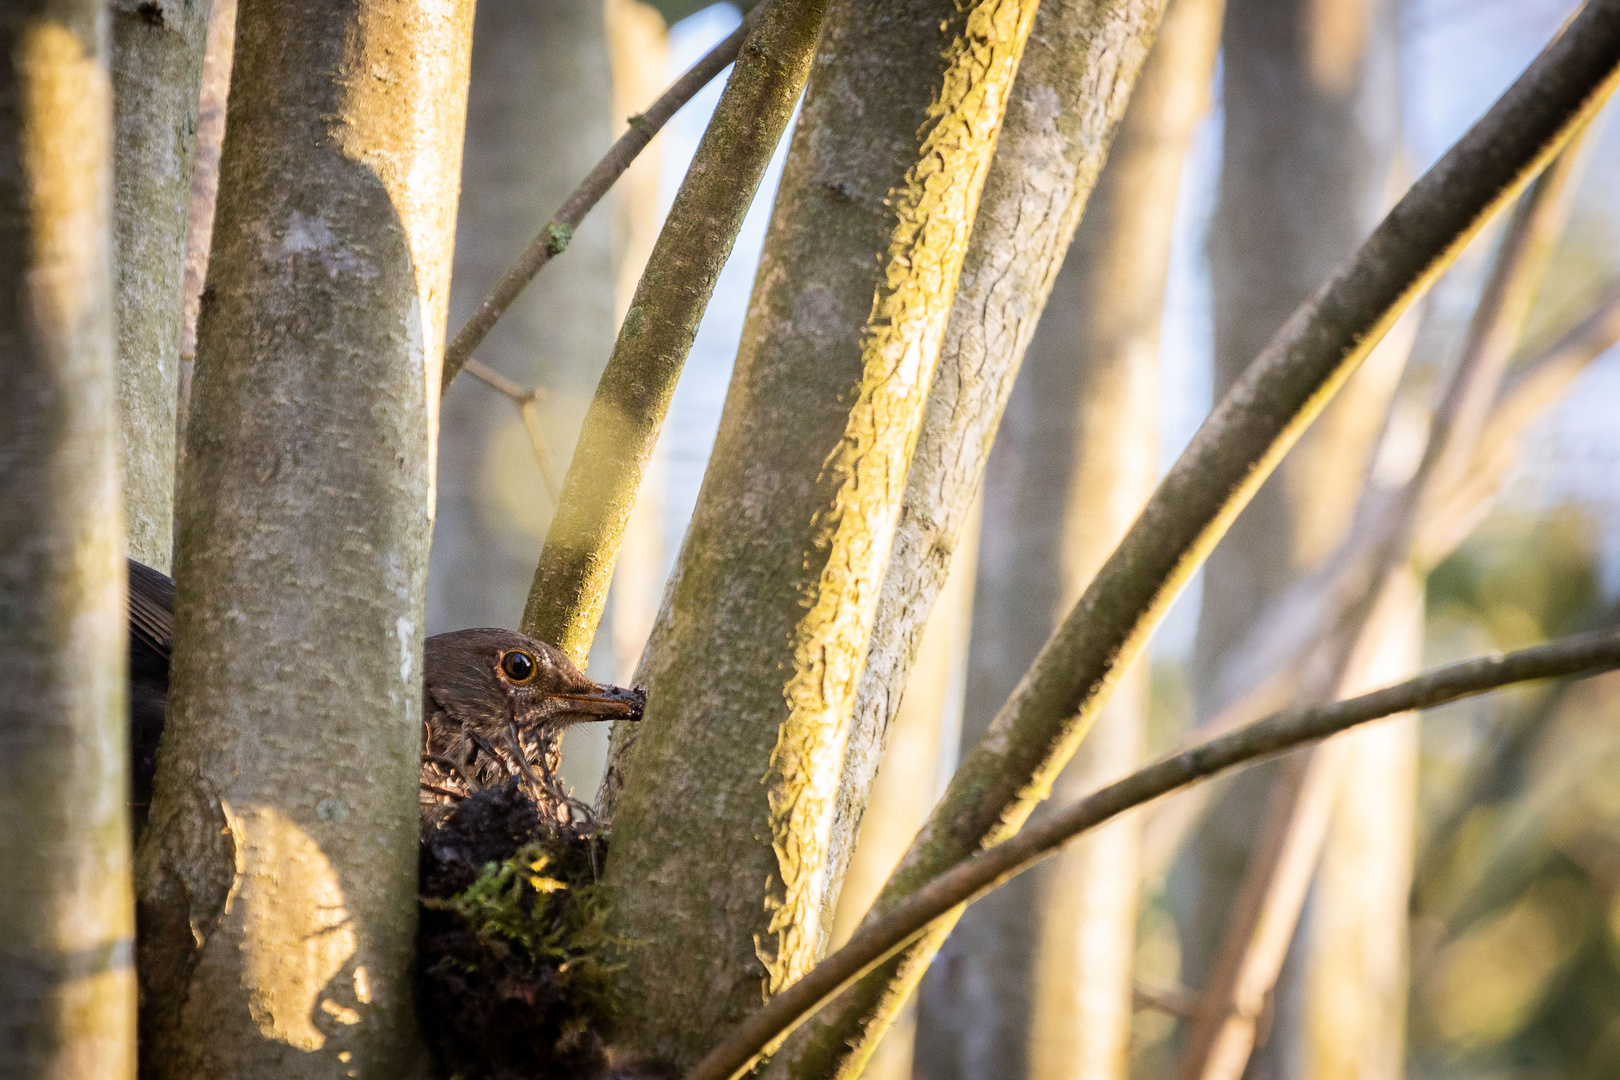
<point x="277" y="878"/>
<point x="754" y="665"/>
<point x="157" y="76"/>
<point x="1036" y="979"/>
<point x="1311" y="105"/>
<point x="538" y="118"/>
<point x="67" y="986"/>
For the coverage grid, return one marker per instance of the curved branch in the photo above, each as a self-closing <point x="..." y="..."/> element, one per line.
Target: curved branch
<point x="554" y="237"/>
<point x="1580" y="655"/>
<point x="621" y="427"/>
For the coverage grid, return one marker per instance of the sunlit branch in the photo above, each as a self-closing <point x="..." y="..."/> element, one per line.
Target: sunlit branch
<point x="1580" y="655"/>
<point x="632" y="397"/>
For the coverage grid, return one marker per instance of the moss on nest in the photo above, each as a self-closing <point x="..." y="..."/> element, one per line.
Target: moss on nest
<point x="516" y="962"/>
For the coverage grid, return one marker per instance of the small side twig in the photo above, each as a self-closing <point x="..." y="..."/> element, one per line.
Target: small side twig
<point x="556" y="234"/>
<point x="1176" y="1002"/>
<point x="528" y="403"/>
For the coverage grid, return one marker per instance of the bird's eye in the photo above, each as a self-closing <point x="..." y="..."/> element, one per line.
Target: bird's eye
<point x="519" y="666"/>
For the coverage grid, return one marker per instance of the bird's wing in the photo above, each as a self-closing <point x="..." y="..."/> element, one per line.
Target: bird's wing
<point x="151" y="608"/>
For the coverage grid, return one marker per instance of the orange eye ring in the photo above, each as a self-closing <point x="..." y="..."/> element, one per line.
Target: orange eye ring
<point x="519" y="666"/>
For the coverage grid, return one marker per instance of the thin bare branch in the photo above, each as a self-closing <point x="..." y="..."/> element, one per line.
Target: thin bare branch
<point x="554" y="237"/>
<point x="500" y="383"/>
<point x="1176" y="1002"/>
<point x="1542" y="383"/>
<point x="537" y="441"/>
<point x="1580" y="655"/>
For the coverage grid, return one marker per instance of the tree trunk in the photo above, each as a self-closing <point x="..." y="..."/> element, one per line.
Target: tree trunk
<point x="1036" y="980"/>
<point x="918" y="755"/>
<point x="216" y="86"/>
<point x="1356" y="979"/>
<point x="758" y="653"/>
<point x="278" y="875"/>
<point x="67" y="987"/>
<point x="1311" y="119"/>
<point x="1310" y="100"/>
<point x="1072" y="90"/>
<point x="538" y="118"/>
<point x="1052" y="146"/>
<point x="157" y="76"/>
<point x="638" y="44"/>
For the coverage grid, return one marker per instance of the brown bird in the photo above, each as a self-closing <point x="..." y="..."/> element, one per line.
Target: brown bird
<point x="495" y="704"/>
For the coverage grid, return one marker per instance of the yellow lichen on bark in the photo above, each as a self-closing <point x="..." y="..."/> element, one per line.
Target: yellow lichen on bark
<point x="934" y="209"/>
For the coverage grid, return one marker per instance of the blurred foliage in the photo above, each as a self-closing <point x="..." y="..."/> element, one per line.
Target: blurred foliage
<point x="1157" y="967"/>
<point x="1515" y="955"/>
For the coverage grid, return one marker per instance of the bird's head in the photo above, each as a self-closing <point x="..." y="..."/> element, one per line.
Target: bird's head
<point x="492" y="678"/>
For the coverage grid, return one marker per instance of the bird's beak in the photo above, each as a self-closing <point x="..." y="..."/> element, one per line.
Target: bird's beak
<point x="607" y="703"/>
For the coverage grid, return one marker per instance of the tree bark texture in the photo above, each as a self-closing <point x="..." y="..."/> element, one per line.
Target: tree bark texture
<point x="157" y="76"/>
<point x="1283" y="390"/>
<point x="917" y="759"/>
<point x="755" y="661"/>
<point x="1070" y="93"/>
<point x="1311" y="120"/>
<point x="539" y="117"/>
<point x="278" y="876"/>
<point x="216" y="86"/>
<point x="67" y="983"/>
<point x="1036" y="980"/>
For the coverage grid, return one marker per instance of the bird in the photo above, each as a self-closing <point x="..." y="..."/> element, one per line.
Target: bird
<point x="495" y="704"/>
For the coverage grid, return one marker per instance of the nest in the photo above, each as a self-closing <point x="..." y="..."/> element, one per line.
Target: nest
<point x="515" y="962"/>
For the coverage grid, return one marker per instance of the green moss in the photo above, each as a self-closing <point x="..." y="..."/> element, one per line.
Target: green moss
<point x="560" y="235"/>
<point x="538" y="909"/>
